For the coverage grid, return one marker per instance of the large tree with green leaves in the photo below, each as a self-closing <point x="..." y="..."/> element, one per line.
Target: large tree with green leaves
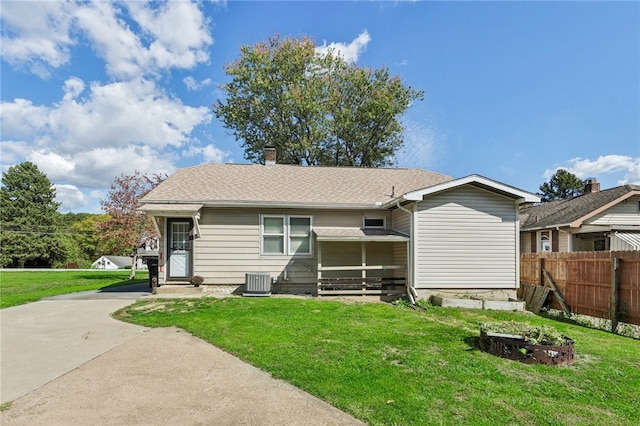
<point x="563" y="184"/>
<point x="28" y="209"/>
<point x="127" y="227"/>
<point x="82" y="237"/>
<point x="315" y="109"/>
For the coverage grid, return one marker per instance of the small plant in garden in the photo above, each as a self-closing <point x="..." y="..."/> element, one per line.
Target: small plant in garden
<point x="196" y="280"/>
<point x="423" y="303"/>
<point x="536" y="335"/>
<point x="403" y="303"/>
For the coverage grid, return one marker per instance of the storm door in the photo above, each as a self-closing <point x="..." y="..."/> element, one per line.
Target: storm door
<point x="180" y="249"/>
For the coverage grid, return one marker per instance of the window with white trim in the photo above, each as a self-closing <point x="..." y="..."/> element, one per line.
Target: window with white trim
<point x="286" y="234"/>
<point x="545" y="241"/>
<point x="373" y="222"/>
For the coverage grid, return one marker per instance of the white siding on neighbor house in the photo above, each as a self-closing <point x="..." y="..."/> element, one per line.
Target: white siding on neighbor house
<point x="626" y="212"/>
<point x="618" y="245"/>
<point x="563" y="241"/>
<point x="525" y="242"/>
<point x="467" y="238"/>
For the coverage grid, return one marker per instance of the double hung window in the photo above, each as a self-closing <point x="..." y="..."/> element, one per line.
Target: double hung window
<point x="285" y="234"/>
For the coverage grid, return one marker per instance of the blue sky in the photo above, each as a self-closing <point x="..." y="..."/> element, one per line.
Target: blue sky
<point x="513" y="90"/>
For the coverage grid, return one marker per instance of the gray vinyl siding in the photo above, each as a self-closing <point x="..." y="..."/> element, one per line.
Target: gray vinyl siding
<point x="624" y="213"/>
<point x="401" y="221"/>
<point x="467" y="238"/>
<point x="229" y="246"/>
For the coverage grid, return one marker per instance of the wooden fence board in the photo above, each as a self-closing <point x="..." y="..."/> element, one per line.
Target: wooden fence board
<point x="539" y="297"/>
<point x="584" y="279"/>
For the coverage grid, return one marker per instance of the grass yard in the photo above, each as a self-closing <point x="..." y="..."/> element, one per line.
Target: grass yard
<point x="392" y="365"/>
<point x="19" y="287"/>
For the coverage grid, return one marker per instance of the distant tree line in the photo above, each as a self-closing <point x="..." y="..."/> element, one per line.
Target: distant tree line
<point x="33" y="234"/>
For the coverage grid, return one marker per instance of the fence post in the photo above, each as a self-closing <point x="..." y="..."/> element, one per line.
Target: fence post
<point x="540" y="269"/>
<point x="614" y="294"/>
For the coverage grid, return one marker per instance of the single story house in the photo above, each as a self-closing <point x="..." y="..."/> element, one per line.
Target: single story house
<point x="326" y="230"/>
<point x="111" y="262"/>
<point x="597" y="220"/>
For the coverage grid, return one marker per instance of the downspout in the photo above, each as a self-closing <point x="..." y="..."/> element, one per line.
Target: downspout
<point x="411" y="291"/>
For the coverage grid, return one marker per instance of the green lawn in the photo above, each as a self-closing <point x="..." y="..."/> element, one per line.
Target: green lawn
<point x="19" y="287"/>
<point x="391" y="365"/>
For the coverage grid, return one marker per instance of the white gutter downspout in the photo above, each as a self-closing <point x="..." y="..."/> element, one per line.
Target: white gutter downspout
<point x="411" y="291"/>
<point x="196" y="224"/>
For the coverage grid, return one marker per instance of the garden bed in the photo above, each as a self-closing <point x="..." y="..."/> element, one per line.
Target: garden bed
<point x="519" y="342"/>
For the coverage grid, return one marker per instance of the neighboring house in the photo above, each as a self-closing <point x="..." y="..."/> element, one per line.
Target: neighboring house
<point x="111" y="262"/>
<point x="314" y="229"/>
<point x="597" y="220"/>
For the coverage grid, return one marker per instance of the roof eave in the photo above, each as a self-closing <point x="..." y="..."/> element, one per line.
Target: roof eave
<point x="578" y="222"/>
<point x="489" y="184"/>
<point x="540" y="228"/>
<point x="276" y="205"/>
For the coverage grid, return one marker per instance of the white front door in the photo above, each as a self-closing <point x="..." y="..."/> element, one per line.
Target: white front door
<point x="179" y="250"/>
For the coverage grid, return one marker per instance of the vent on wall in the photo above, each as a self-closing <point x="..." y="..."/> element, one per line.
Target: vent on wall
<point x="257" y="284"/>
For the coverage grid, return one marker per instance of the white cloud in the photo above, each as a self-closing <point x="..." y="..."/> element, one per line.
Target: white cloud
<point x="209" y="153"/>
<point x="192" y="84"/>
<point x="36" y="37"/>
<point x="112" y="115"/>
<point x="349" y="52"/>
<point x="70" y="197"/>
<point x="73" y="87"/>
<point x="625" y="168"/>
<point x="172" y="35"/>
<point x="179" y="31"/>
<point x="122" y="50"/>
<point x="22" y="119"/>
<point x="115" y="128"/>
<point x="97" y="168"/>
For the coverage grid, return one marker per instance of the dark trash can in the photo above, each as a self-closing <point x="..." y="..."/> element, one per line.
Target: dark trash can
<point x="152" y="265"/>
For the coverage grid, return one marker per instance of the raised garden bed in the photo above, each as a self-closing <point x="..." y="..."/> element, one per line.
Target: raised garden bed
<point x="530" y="345"/>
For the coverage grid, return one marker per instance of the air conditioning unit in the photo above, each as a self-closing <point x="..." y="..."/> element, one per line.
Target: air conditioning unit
<point x="257" y="284"/>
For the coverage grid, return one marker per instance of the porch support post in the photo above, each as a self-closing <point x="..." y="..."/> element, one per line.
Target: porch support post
<point x="319" y="265"/>
<point x="363" y="251"/>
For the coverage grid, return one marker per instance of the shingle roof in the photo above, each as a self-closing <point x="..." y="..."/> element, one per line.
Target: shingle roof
<point x="289" y="185"/>
<point x="563" y="212"/>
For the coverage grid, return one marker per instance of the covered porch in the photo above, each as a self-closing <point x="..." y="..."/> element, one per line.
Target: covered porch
<point x="362" y="262"/>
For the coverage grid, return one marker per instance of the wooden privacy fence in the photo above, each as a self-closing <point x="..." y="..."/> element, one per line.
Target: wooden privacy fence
<point x="591" y="282"/>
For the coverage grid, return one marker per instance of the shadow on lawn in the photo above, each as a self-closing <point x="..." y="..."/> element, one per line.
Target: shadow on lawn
<point x="473" y="342"/>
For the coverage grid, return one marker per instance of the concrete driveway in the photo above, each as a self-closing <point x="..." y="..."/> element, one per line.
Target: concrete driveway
<point x="66" y="361"/>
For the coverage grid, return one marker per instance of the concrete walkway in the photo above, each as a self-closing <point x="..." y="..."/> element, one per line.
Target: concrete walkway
<point x="65" y="361"/>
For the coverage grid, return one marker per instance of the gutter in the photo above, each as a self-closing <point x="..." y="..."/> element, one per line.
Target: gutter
<point x="540" y="228"/>
<point x="274" y="204"/>
<point x="411" y="291"/>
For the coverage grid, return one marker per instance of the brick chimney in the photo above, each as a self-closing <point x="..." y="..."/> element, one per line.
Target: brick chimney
<point x="269" y="156"/>
<point x="591" y="185"/>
